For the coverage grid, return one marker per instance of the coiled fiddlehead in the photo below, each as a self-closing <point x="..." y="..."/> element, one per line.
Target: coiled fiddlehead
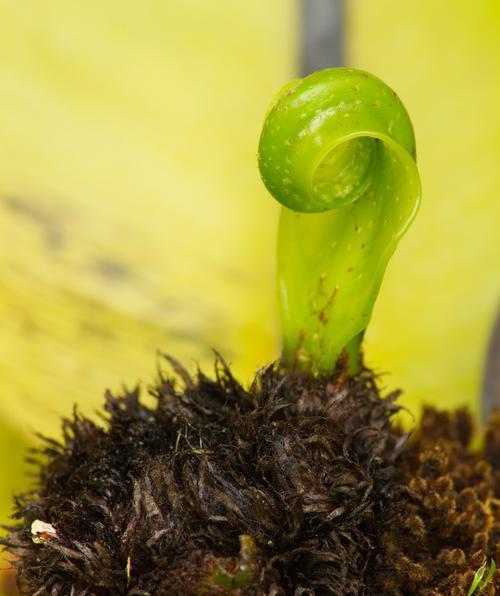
<point x="337" y="150"/>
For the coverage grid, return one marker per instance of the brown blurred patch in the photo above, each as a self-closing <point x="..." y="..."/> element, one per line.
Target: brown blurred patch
<point x="8" y="585"/>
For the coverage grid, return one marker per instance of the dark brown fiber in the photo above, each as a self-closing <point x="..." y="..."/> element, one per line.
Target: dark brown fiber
<point x="293" y="487"/>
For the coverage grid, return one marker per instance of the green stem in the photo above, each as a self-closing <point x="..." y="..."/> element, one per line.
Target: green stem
<point x="337" y="150"/>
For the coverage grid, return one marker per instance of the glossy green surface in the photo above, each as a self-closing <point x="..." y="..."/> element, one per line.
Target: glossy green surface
<point x="337" y="150"/>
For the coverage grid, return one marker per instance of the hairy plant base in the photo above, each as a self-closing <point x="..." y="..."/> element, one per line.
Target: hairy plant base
<point x="295" y="486"/>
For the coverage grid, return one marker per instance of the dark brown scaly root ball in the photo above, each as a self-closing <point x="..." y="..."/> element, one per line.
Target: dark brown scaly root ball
<point x="295" y="486"/>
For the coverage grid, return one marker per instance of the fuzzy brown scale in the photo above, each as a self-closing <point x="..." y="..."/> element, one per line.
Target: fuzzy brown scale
<point x="298" y="465"/>
<point x="296" y="486"/>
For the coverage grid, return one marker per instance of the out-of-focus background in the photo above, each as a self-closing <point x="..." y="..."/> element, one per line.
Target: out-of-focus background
<point x="132" y="218"/>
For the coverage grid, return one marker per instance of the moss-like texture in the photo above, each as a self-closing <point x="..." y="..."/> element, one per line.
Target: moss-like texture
<point x="445" y="522"/>
<point x="294" y="486"/>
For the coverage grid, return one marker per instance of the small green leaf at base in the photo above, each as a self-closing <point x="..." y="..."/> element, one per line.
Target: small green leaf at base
<point x="478" y="581"/>
<point x="239" y="579"/>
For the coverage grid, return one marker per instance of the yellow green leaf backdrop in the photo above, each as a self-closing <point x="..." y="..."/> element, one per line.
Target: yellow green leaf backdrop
<point x="132" y="218"/>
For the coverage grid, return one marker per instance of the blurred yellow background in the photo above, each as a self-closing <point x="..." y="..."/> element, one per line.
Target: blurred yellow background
<point x="441" y="291"/>
<point x="132" y="218"/>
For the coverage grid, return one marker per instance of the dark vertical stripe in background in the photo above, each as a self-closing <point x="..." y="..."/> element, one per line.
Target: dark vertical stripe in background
<point x="491" y="385"/>
<point x="322" y="34"/>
